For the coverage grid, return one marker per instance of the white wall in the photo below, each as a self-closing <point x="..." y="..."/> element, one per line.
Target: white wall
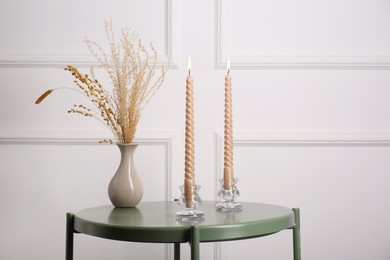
<point x="311" y="91"/>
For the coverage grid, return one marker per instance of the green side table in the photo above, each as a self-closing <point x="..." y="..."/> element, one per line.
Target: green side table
<point x="156" y="222"/>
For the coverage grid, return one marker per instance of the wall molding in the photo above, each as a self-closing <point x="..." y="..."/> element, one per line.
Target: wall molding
<point x="290" y="140"/>
<point x="242" y="139"/>
<point x="166" y="139"/>
<point x="275" y="61"/>
<point x="60" y="60"/>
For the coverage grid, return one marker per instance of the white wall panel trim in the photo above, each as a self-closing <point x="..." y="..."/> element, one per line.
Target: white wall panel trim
<point x="313" y="140"/>
<point x="290" y="140"/>
<point x="275" y="61"/>
<point x="166" y="139"/>
<point x="304" y="62"/>
<point x="60" y="60"/>
<point x="294" y="140"/>
<point x="308" y="139"/>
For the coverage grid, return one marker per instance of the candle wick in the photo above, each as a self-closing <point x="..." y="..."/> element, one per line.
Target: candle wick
<point x="228" y="72"/>
<point x="189" y="72"/>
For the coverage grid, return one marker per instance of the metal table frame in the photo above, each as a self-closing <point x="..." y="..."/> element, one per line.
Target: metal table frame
<point x="156" y="222"/>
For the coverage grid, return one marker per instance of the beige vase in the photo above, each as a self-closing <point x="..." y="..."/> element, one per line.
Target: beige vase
<point x="126" y="189"/>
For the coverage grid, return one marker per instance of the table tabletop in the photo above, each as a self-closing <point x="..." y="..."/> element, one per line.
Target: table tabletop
<point x="158" y="222"/>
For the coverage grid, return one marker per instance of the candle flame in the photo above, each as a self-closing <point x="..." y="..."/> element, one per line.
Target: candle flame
<point x="189" y="65"/>
<point x="228" y="66"/>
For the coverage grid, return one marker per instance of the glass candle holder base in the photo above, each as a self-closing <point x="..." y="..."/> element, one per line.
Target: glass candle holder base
<point x="227" y="197"/>
<point x="195" y="201"/>
<point x="229" y="206"/>
<point x="190" y="213"/>
<point x="189" y="220"/>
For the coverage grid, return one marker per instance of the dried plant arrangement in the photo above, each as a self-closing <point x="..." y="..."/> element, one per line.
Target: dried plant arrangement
<point x="131" y="68"/>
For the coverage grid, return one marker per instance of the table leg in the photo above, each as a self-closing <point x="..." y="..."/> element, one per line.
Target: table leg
<point x="69" y="236"/>
<point x="195" y="243"/>
<point x="297" y="235"/>
<point x="176" y="251"/>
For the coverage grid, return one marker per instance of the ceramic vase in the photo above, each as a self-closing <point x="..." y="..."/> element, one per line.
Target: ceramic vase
<point x="126" y="188"/>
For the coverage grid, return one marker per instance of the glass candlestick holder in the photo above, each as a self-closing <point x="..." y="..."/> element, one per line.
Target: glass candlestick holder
<point x="227" y="197"/>
<point x="192" y="211"/>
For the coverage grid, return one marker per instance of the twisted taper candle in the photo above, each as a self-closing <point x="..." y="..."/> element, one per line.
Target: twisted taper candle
<point x="228" y="137"/>
<point x="189" y="180"/>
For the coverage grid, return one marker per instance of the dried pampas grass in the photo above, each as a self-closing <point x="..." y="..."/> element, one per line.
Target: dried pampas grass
<point x="43" y="96"/>
<point x="132" y="70"/>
